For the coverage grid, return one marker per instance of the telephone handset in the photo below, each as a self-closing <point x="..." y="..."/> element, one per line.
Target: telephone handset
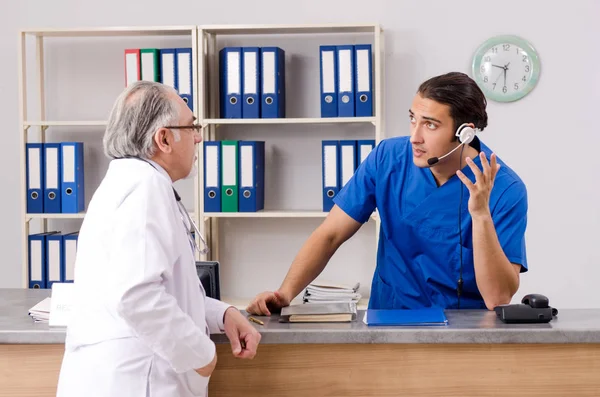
<point x="534" y="308"/>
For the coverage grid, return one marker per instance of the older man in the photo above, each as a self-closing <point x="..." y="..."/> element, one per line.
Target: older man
<point x="142" y="322"/>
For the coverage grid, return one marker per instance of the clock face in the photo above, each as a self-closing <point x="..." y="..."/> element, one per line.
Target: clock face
<point x="506" y="68"/>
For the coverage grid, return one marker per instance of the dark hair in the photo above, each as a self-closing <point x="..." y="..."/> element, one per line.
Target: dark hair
<point x="460" y="92"/>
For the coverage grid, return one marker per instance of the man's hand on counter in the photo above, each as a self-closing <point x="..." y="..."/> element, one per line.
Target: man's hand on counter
<point x="268" y="302"/>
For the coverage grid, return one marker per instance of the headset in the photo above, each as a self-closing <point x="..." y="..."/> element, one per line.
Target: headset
<point x="465" y="135"/>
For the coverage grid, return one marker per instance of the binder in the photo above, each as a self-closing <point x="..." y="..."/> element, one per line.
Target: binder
<point x="363" y="148"/>
<point x="34" y="169"/>
<point x="150" y="64"/>
<point x="347" y="161"/>
<point x="346" y="81"/>
<point x="252" y="176"/>
<point x="212" y="176"/>
<point x="401" y="317"/>
<point x="37" y="259"/>
<point x="229" y="173"/>
<point x="132" y="66"/>
<point x="329" y="81"/>
<point x="168" y="67"/>
<point x="70" y="254"/>
<point x="364" y="80"/>
<point x="72" y="182"/>
<point x="251" y="83"/>
<point x="184" y="75"/>
<point x="52" y="189"/>
<point x="273" y="82"/>
<point x="54" y="259"/>
<point x="331" y="176"/>
<point x="230" y="59"/>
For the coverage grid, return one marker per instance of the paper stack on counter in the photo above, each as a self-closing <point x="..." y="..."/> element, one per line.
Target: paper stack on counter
<point x="327" y="292"/>
<point x="41" y="311"/>
<point x="319" y="313"/>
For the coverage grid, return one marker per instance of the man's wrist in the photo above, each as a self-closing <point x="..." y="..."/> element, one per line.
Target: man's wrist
<point x="481" y="217"/>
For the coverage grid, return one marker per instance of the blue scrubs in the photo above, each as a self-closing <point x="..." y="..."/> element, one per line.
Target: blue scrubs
<point x="418" y="258"/>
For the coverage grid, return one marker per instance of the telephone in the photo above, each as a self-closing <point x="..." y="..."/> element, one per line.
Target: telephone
<point x="534" y="308"/>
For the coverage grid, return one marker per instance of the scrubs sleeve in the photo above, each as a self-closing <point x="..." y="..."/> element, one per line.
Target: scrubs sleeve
<point x="142" y="248"/>
<point x="358" y="197"/>
<point x="510" y="221"/>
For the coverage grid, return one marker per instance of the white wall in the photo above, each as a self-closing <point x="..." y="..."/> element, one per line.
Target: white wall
<point x="549" y="137"/>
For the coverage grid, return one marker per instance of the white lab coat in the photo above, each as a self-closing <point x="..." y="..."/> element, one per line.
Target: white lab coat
<point x="141" y="322"/>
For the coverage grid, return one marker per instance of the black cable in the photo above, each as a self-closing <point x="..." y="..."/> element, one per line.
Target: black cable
<point x="460" y="279"/>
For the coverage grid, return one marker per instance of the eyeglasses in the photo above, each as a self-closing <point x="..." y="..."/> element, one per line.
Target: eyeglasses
<point x="196" y="127"/>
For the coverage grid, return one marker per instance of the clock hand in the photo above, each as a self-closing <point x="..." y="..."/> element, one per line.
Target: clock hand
<point x="505" y="77"/>
<point x="498" y="66"/>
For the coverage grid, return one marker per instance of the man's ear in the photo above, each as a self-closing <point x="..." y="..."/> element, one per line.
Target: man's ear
<point x="163" y="138"/>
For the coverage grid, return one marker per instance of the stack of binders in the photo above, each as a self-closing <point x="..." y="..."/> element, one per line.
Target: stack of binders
<point x="327" y="292"/>
<point x="234" y="176"/>
<point x="169" y="66"/>
<point x="252" y="82"/>
<point x="51" y="258"/>
<point x="55" y="177"/>
<point x="346" y="80"/>
<point x="340" y="160"/>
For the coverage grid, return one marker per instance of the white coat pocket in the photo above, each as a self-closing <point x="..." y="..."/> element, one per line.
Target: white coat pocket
<point x="197" y="383"/>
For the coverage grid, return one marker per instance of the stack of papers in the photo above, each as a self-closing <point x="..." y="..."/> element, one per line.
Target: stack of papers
<point x="327" y="292"/>
<point x="319" y="313"/>
<point x="41" y="311"/>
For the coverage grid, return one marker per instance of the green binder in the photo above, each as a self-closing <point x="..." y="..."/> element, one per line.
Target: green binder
<point x="150" y="64"/>
<point x="229" y="176"/>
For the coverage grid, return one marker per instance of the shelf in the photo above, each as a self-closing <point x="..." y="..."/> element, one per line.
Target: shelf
<point x="101" y="123"/>
<point x="114" y="31"/>
<point x="267" y="214"/>
<point x="290" y="29"/>
<point x="302" y="120"/>
<point x="79" y="215"/>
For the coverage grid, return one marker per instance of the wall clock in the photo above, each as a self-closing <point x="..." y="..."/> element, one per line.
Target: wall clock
<point x="506" y="68"/>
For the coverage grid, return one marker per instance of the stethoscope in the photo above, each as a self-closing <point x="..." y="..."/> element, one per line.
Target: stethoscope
<point x="190" y="226"/>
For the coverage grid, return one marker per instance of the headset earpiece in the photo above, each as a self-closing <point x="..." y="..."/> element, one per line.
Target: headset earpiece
<point x="465" y="133"/>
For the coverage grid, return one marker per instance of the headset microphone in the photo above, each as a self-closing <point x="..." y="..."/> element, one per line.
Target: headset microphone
<point x="465" y="134"/>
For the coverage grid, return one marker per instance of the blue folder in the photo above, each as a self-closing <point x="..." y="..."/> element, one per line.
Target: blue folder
<point x="401" y="317"/>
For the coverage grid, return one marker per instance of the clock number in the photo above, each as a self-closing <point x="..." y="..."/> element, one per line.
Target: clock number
<point x="516" y="86"/>
<point x="504" y="89"/>
<point x="506" y="47"/>
<point x="482" y="68"/>
<point x="525" y="58"/>
<point x="527" y="68"/>
<point x="488" y="59"/>
<point x="524" y="78"/>
<point x="494" y="84"/>
<point x="495" y="50"/>
<point x="518" y="49"/>
<point x="485" y="79"/>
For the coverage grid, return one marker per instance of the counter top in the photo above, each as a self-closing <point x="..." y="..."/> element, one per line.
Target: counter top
<point x="464" y="326"/>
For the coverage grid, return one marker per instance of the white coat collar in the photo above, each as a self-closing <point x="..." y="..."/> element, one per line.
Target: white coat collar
<point x="160" y="170"/>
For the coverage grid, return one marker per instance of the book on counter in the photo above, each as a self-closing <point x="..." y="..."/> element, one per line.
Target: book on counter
<point x="319" y="313"/>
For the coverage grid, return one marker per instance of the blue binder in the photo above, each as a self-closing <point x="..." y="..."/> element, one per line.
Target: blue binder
<point x="364" y="80"/>
<point x="251" y="83"/>
<point x="400" y="317"/>
<point x="184" y="76"/>
<point x="273" y="82"/>
<point x="212" y="176"/>
<point x="72" y="183"/>
<point x="37" y="259"/>
<point x="230" y="61"/>
<point x="34" y="169"/>
<point x="346" y="81"/>
<point x="347" y="161"/>
<point x="70" y="241"/>
<point x="52" y="190"/>
<point x="363" y="148"/>
<point x="54" y="259"/>
<point x="331" y="174"/>
<point x="329" y="80"/>
<point x="168" y="67"/>
<point x="251" y="176"/>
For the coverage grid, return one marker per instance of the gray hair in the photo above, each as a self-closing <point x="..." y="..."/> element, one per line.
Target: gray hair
<point x="141" y="109"/>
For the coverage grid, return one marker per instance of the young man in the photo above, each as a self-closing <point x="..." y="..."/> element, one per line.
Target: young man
<point x="452" y="222"/>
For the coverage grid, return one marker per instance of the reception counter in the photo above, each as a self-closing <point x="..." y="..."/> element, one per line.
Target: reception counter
<point x="474" y="355"/>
